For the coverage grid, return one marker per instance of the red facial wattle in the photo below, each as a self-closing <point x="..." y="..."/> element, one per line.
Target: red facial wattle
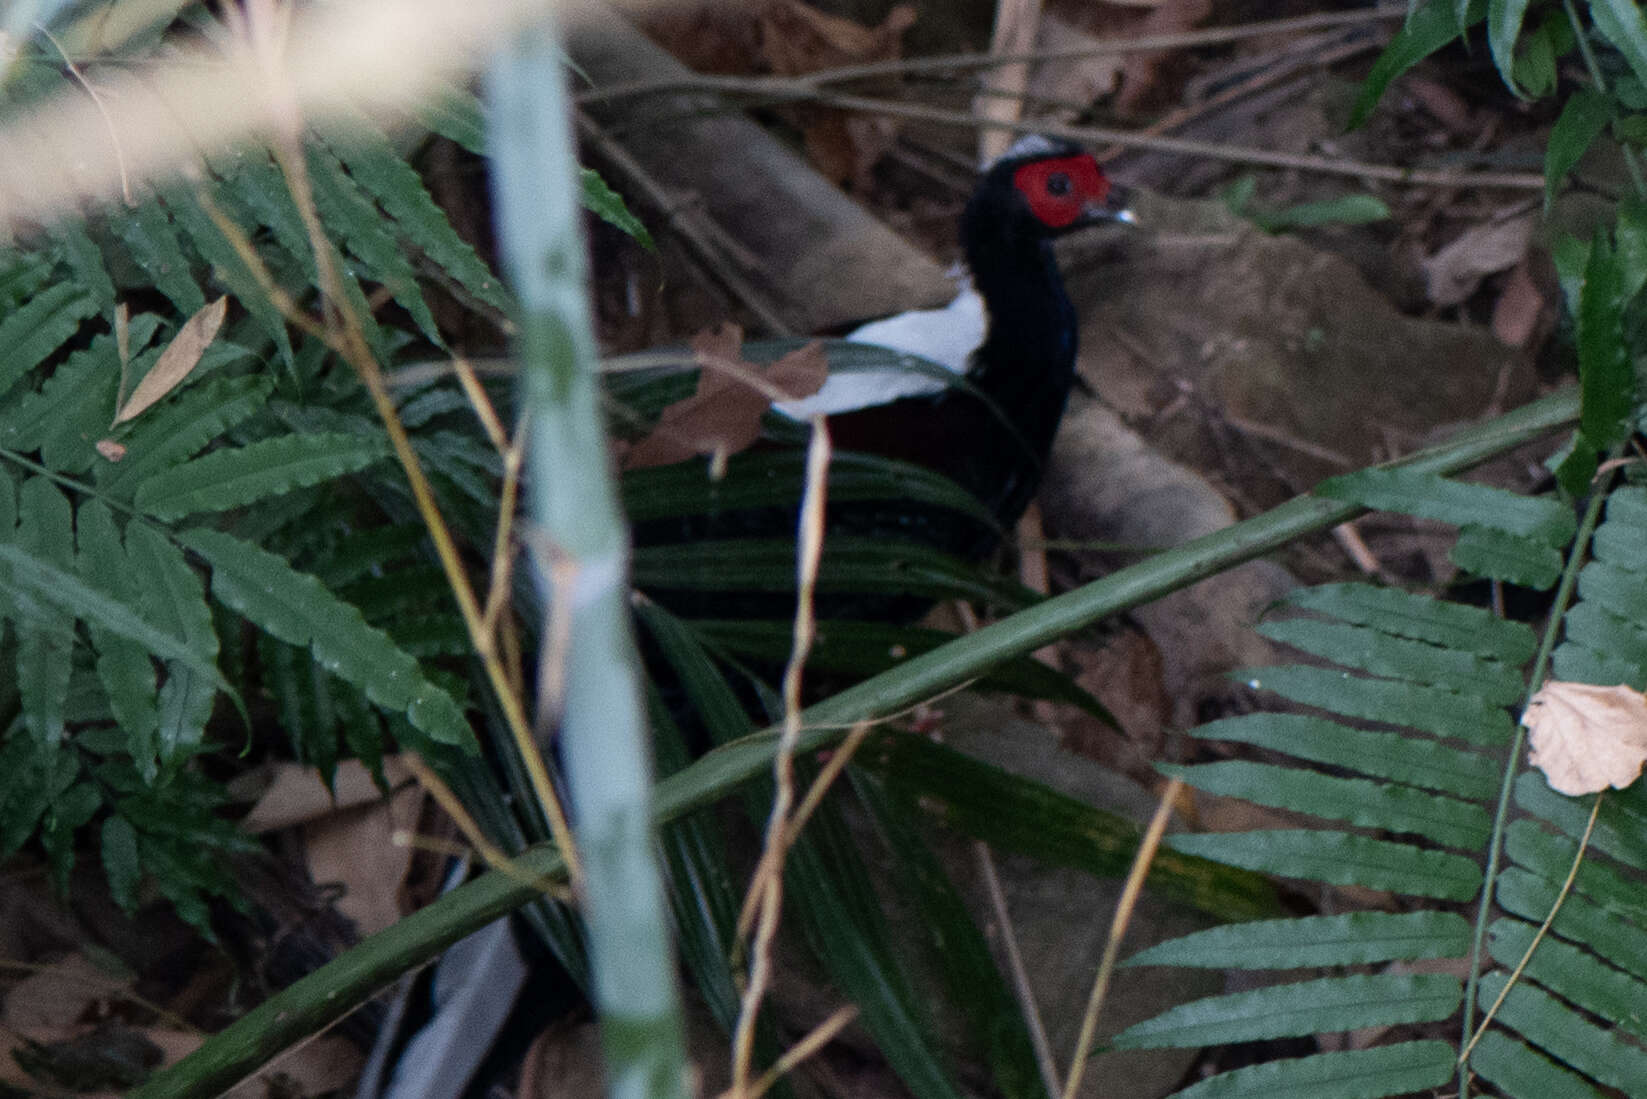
<point x="1060" y="190"/>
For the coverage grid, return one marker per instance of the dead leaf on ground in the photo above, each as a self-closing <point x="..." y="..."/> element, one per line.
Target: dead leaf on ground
<point x="724" y="416"/>
<point x="296" y="793"/>
<point x="57" y="995"/>
<point x="1586" y="738"/>
<point x="181" y="356"/>
<point x="1454" y="273"/>
<point x="1524" y="312"/>
<point x="356" y="848"/>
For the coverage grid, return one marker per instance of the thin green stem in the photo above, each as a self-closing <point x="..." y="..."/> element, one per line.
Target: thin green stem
<point x="1512" y="765"/>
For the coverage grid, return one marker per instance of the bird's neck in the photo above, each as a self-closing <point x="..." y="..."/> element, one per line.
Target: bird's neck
<point x="1026" y="363"/>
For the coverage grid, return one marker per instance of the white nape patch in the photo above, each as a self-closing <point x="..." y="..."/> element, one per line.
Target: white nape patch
<point x="1028" y="145"/>
<point x="946" y="336"/>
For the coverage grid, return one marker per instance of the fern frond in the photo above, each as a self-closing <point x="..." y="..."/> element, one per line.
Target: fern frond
<point x="1451" y="672"/>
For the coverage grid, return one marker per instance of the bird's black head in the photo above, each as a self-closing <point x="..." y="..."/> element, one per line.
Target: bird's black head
<point x="1043" y="187"/>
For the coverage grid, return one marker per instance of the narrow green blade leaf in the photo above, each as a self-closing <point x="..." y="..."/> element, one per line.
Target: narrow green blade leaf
<point x="1503" y="28"/>
<point x="1518" y="1070"/>
<point x="608" y="205"/>
<point x="1579" y="920"/>
<point x="1385" y="755"/>
<point x="1622" y="23"/>
<point x="1355" y="938"/>
<point x="299" y="610"/>
<point x="1550" y="1025"/>
<point x="1399" y="809"/>
<point x="1583" y="117"/>
<point x="1428" y="29"/>
<point x="1498" y="556"/>
<point x="1341" y="859"/>
<point x="1606" y="377"/>
<point x="1014" y="813"/>
<point x="1308" y="1007"/>
<point x="1573" y="974"/>
<point x="1452" y="625"/>
<point x="237" y="476"/>
<point x="1431" y="496"/>
<point x="856" y="565"/>
<point x="1431" y="709"/>
<point x="1357" y="1074"/>
<point x="39" y="327"/>
<point x="1384" y="655"/>
<point x="179" y="428"/>
<point x="120" y="862"/>
<point x="43" y="551"/>
<point x="154" y="244"/>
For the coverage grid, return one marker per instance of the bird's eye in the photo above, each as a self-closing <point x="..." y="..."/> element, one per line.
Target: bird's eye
<point x="1058" y="185"/>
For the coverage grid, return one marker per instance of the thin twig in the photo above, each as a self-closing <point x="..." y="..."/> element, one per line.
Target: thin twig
<point x="803" y="85"/>
<point x="1117" y="931"/>
<point x="1021" y="990"/>
<point x="768" y="878"/>
<point x="102" y="111"/>
<point x="1543" y="928"/>
<point x="820" y="1036"/>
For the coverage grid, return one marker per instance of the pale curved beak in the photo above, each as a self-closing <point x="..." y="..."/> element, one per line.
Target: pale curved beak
<point x="1116" y="206"/>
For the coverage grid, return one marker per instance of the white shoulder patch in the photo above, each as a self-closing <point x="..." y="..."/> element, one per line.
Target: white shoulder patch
<point x="946" y="336"/>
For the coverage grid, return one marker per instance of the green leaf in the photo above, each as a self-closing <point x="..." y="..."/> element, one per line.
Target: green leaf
<point x="1432" y="709"/>
<point x="1573" y="974"/>
<point x="123" y="666"/>
<point x="1580" y="920"/>
<point x="180" y="427"/>
<point x="1427" y="30"/>
<point x="39" y="327"/>
<point x="1308" y="1007"/>
<point x="299" y="610"/>
<point x="399" y="190"/>
<point x="865" y="648"/>
<point x="1494" y="555"/>
<point x="1452" y="625"/>
<point x="957" y="952"/>
<point x="1399" y="809"/>
<point x="154" y="244"/>
<point x="1501" y="1060"/>
<point x="1607" y="379"/>
<point x="1357" y="1074"/>
<point x="1341" y="859"/>
<point x="1018" y="814"/>
<point x="1385" y="655"/>
<point x="1355" y="938"/>
<point x="1431" y="496"/>
<point x="1358" y="209"/>
<point x="1503" y="28"/>
<point x="1582" y="119"/>
<point x="608" y="205"/>
<point x="120" y="862"/>
<point x="1550" y="1025"/>
<point x="44" y="550"/>
<point x="775" y="479"/>
<point x="1386" y="755"/>
<point x="237" y="476"/>
<point x="857" y="565"/>
<point x="1622" y="23"/>
<point x="351" y="215"/>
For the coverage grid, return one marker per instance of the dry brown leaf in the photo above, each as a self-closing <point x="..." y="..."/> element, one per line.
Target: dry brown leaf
<point x="180" y="357"/>
<point x="724" y="416"/>
<point x="110" y="449"/>
<point x="356" y="849"/>
<point x="295" y="794"/>
<point x="1454" y="273"/>
<point x="1586" y="738"/>
<point x="57" y="995"/>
